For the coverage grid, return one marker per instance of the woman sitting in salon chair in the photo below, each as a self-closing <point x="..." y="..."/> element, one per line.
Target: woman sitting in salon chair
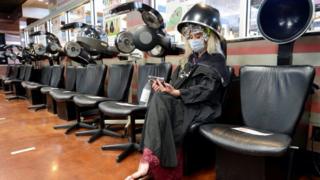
<point x="193" y="95"/>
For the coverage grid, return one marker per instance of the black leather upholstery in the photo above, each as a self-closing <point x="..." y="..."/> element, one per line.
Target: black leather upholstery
<point x="114" y="108"/>
<point x="65" y="94"/>
<point x="46" y="73"/>
<point x="119" y="80"/>
<point x="57" y="76"/>
<point x="272" y="99"/>
<point x="56" y="79"/>
<point x="82" y="100"/>
<point x="27" y="76"/>
<point x="22" y="70"/>
<point x="8" y="72"/>
<point x="89" y="81"/>
<point x="246" y="143"/>
<point x="279" y="94"/>
<point x="13" y="75"/>
<point x="120" y="76"/>
<point x="15" y="72"/>
<point x="93" y="80"/>
<point x="69" y="83"/>
<point x="71" y="75"/>
<point x="120" y="109"/>
<point x="25" y="73"/>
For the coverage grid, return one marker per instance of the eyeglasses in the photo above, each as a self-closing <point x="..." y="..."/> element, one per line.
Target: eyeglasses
<point x="193" y="31"/>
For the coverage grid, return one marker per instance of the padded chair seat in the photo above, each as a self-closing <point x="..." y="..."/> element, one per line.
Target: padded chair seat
<point x="247" y="140"/>
<point x="89" y="100"/>
<point x="35" y="86"/>
<point x="8" y="81"/>
<point x="46" y="90"/>
<point x="120" y="109"/>
<point x="62" y="95"/>
<point x="6" y="78"/>
<point x="28" y="83"/>
<point x="16" y="80"/>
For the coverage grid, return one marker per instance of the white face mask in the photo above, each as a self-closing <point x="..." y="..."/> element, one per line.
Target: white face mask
<point x="197" y="45"/>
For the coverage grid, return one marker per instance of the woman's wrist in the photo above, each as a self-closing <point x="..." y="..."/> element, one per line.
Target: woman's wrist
<point x="176" y="93"/>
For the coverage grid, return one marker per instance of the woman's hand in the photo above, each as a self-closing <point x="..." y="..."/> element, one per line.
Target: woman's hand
<point x="159" y="86"/>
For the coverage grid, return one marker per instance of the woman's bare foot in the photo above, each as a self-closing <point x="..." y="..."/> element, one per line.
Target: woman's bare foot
<point x="142" y="171"/>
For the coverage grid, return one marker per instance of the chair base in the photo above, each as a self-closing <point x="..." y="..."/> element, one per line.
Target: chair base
<point x="35" y="97"/>
<point x="37" y="107"/>
<point x="97" y="133"/>
<point x="230" y="166"/>
<point x="78" y="125"/>
<point x="198" y="152"/>
<point x="13" y="97"/>
<point x="51" y="104"/>
<point x="66" y="110"/>
<point x="18" y="89"/>
<point x="128" y="148"/>
<point x="8" y="92"/>
<point x="64" y="126"/>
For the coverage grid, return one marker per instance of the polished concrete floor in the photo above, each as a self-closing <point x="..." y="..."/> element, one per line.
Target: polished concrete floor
<point x="30" y="149"/>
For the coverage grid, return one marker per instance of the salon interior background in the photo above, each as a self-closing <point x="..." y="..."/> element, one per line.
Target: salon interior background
<point x="239" y="27"/>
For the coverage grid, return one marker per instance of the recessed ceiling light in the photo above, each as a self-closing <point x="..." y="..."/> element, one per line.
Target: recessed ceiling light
<point x="40" y="0"/>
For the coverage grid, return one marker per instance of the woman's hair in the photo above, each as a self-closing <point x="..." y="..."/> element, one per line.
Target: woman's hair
<point x="213" y="46"/>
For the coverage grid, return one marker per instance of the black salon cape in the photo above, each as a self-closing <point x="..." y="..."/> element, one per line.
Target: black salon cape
<point x="168" y="117"/>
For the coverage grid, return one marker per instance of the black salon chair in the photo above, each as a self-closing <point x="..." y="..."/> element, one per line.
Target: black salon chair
<point x="272" y="101"/>
<point x="92" y="84"/>
<point x="134" y="111"/>
<point x="18" y="91"/>
<point x="56" y="82"/>
<point x="52" y="78"/>
<point x="45" y="75"/>
<point x="13" y="75"/>
<point x="119" y="81"/>
<point x="62" y="97"/>
<point x="69" y="84"/>
<point x="10" y="82"/>
<point x="5" y="76"/>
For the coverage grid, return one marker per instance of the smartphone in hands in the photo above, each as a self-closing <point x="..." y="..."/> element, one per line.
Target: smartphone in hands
<point x="154" y="78"/>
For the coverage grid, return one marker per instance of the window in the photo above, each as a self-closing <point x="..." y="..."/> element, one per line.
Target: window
<point x="30" y="31"/>
<point x="79" y="14"/>
<point x="99" y="6"/>
<point x="42" y="39"/>
<point x="252" y="17"/>
<point x="110" y="25"/>
<point x="315" y="26"/>
<point x="56" y="24"/>
<point x="231" y="15"/>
